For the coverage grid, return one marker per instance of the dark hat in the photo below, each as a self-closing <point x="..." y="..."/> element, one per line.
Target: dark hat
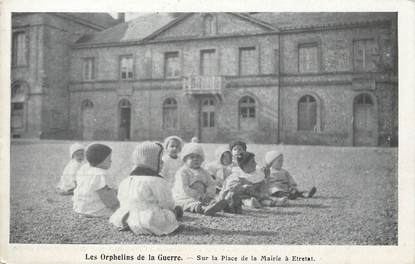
<point x="97" y="153"/>
<point x="237" y="143"/>
<point x="244" y="158"/>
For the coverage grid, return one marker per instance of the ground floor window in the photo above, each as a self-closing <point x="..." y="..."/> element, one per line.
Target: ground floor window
<point x="307" y="113"/>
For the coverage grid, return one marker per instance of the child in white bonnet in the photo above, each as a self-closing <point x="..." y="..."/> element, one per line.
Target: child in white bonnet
<point x="220" y="168"/>
<point x="171" y="160"/>
<point x="67" y="181"/>
<point x="146" y="202"/>
<point x="194" y="189"/>
<point x="280" y="181"/>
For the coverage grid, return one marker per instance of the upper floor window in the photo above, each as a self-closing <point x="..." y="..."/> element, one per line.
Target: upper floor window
<point x="307" y="113"/>
<point x="171" y="65"/>
<point x="89" y="69"/>
<point x="364" y="52"/>
<point x="208" y="63"/>
<point x="248" y="64"/>
<point x="19" y="49"/>
<point x="208" y="25"/>
<point x="126" y="67"/>
<point x="308" y="60"/>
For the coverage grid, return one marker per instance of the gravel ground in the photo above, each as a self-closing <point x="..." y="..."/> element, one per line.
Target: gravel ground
<point x="356" y="202"/>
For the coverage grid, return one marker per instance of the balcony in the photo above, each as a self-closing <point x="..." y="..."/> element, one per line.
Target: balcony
<point x="200" y="85"/>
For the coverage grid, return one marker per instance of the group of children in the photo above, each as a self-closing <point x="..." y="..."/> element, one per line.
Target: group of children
<point x="171" y="178"/>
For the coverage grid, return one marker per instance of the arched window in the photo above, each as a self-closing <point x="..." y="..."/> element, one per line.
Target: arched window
<point x="208" y="25"/>
<point x="247" y="113"/>
<point x="87" y="104"/>
<point x="307" y="113"/>
<point x="363" y="99"/>
<point x="170" y="114"/>
<point x="18" y="107"/>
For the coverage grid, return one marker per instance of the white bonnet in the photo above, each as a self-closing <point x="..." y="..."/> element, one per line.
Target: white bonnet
<point x="192" y="148"/>
<point x="74" y="148"/>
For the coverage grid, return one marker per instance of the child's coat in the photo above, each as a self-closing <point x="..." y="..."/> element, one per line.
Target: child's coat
<point x="67" y="181"/>
<point x="170" y="167"/>
<point x="217" y="169"/>
<point x="86" y="199"/>
<point x="281" y="181"/>
<point x="149" y="202"/>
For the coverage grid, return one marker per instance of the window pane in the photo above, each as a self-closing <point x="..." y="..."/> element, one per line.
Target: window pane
<point x="19" y="48"/>
<point x="208" y="63"/>
<point x="308" y="59"/>
<point x="126" y="67"/>
<point x="172" y="65"/>
<point x="244" y="112"/>
<point x="247" y="61"/>
<point x="252" y="112"/>
<point x="363" y="55"/>
<point x="212" y="119"/>
<point x="205" y="119"/>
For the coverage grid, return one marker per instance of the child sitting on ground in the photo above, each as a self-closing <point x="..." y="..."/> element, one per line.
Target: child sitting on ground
<point x="171" y="160"/>
<point x="249" y="185"/>
<point x="146" y="202"/>
<point x="280" y="181"/>
<point x="67" y="181"/>
<point x="236" y="148"/>
<point x="92" y="197"/>
<point x="220" y="168"/>
<point x="194" y="189"/>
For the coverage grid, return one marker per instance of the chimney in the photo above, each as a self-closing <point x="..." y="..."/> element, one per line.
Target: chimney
<point x="121" y="17"/>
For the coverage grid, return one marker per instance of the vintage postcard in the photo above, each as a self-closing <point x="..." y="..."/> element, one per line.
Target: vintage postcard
<point x="189" y="132"/>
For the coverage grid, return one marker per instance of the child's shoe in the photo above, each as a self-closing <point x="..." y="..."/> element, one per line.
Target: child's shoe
<point x="215" y="207"/>
<point x="178" y="212"/>
<point x="312" y="192"/>
<point x="253" y="202"/>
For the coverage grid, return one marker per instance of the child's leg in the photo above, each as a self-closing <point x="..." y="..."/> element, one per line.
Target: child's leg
<point x="252" y="202"/>
<point x="280" y="194"/>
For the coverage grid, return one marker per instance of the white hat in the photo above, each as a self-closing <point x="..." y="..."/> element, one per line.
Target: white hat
<point x="74" y="148"/>
<point x="147" y="154"/>
<point x="192" y="148"/>
<point x="270" y="156"/>
<point x="168" y="139"/>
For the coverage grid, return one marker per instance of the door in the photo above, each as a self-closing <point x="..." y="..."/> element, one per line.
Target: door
<point x="364" y="121"/>
<point x="88" y="120"/>
<point x="207" y="119"/>
<point x="125" y="120"/>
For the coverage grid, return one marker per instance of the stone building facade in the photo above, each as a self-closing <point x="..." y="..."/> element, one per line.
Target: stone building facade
<point x="296" y="78"/>
<point x="41" y="51"/>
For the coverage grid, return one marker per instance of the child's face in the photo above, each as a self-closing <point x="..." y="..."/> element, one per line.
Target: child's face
<point x="193" y="161"/>
<point x="236" y="151"/>
<point x="250" y="166"/>
<point x="106" y="163"/>
<point x="173" y="148"/>
<point x="277" y="163"/>
<point x="79" y="155"/>
<point x="226" y="158"/>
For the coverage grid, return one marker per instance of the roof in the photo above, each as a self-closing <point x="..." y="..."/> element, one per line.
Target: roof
<point x="135" y="29"/>
<point x="103" y="20"/>
<point x="288" y="20"/>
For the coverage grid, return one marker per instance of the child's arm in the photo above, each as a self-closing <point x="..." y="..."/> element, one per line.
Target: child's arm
<point x="109" y="197"/>
<point x="182" y="179"/>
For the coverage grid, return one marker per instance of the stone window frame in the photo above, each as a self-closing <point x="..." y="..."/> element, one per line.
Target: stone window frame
<point x="164" y="106"/>
<point x="257" y="59"/>
<point x="14" y="55"/>
<point x="216" y="58"/>
<point x="92" y="74"/>
<point x="257" y="103"/>
<point x="166" y="54"/>
<point x="120" y="57"/>
<point x="319" y="113"/>
<point x="366" y="39"/>
<point x="318" y="62"/>
<point x="213" y="24"/>
<point x="315" y="40"/>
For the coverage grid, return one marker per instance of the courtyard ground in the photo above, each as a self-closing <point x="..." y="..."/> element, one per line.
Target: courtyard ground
<point x="356" y="202"/>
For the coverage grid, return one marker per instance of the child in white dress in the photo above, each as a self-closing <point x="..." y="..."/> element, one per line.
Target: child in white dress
<point x="280" y="181"/>
<point x="220" y="168"/>
<point x="92" y="196"/>
<point x="171" y="160"/>
<point x="67" y="181"/>
<point x="194" y="189"/>
<point x="146" y="202"/>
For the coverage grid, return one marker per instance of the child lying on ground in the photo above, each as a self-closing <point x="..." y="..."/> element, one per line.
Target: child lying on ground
<point x="171" y="160"/>
<point x="194" y="189"/>
<point x="249" y="185"/>
<point x="280" y="181"/>
<point x="92" y="197"/>
<point x="67" y="181"/>
<point x="220" y="168"/>
<point x="146" y="202"/>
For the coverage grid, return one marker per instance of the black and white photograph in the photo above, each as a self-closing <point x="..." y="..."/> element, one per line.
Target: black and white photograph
<point x="204" y="128"/>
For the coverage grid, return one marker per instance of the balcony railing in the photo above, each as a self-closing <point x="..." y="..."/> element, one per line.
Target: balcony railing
<point x="203" y="85"/>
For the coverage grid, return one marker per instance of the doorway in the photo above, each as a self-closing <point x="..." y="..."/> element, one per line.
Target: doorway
<point x="208" y="119"/>
<point x="364" y="121"/>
